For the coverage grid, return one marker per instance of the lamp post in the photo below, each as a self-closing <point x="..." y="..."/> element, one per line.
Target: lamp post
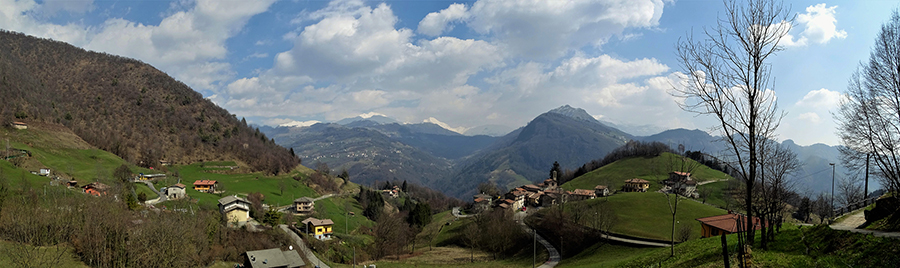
<point x="832" y="189"/>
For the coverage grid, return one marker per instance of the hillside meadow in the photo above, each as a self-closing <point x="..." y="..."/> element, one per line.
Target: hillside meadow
<point x="653" y="169"/>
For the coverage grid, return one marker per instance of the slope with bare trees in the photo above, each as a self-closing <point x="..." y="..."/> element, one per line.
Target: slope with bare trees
<point x="125" y="106"/>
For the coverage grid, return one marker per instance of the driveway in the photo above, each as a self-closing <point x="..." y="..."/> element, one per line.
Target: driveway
<point x="303" y="248"/>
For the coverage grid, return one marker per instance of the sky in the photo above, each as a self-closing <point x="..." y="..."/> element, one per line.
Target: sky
<point x="461" y="64"/>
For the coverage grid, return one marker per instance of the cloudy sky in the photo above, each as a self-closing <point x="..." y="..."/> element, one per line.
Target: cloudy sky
<point x="463" y="64"/>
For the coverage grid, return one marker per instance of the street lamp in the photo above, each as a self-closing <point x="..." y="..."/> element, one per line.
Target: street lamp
<point x="832" y="190"/>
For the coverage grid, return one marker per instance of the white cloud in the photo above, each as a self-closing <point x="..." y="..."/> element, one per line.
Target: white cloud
<point x="811" y="117"/>
<point x="370" y="64"/>
<point x="820" y="24"/>
<point x="436" y="23"/>
<point x="821" y="98"/>
<point x="548" y="29"/>
<point x="812" y="112"/>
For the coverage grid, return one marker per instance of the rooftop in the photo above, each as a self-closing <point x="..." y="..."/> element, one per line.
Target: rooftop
<point x="636" y="180"/>
<point x="274" y="257"/>
<point x="204" y="183"/>
<point x="303" y="200"/>
<point x="317" y="222"/>
<point x="231" y="199"/>
<point x="728" y="222"/>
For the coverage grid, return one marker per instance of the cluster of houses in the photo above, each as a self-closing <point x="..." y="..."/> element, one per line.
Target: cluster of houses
<point x="392" y="193"/>
<point x="549" y="193"/>
<point x="237" y="210"/>
<point x="542" y="194"/>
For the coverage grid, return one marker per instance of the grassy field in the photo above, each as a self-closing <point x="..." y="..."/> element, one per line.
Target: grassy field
<point x="64" y="153"/>
<point x="717" y="194"/>
<point x="795" y="246"/>
<point x="605" y="255"/>
<point x="240" y="184"/>
<point x="653" y="169"/>
<point x="647" y="214"/>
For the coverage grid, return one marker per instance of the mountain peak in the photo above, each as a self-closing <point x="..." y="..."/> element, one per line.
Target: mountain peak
<point x="573" y="112"/>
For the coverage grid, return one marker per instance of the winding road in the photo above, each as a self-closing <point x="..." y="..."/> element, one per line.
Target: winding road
<point x="314" y="261"/>
<point x="161" y="197"/>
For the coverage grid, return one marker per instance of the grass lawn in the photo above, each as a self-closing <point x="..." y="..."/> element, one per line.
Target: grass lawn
<point x="652" y="169"/>
<point x="647" y="214"/>
<point x="243" y="184"/>
<point x="142" y="188"/>
<point x="605" y="255"/>
<point x="334" y="208"/>
<point x="826" y="248"/>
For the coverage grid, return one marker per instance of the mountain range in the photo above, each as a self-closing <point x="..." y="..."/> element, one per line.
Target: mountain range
<point x="380" y="149"/>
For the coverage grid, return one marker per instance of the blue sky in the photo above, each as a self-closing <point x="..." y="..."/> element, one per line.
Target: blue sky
<point x="461" y="64"/>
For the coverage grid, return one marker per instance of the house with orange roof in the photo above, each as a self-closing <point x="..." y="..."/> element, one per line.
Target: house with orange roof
<point x="208" y="186"/>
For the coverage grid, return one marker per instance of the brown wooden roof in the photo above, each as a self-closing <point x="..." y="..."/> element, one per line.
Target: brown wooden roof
<point x="728" y="222"/>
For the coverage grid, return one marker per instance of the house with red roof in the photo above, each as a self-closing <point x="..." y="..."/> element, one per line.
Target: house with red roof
<point x="726" y="224"/>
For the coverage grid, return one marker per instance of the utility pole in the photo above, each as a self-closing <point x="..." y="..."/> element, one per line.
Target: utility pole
<point x="534" y="248"/>
<point x="832" y="190"/>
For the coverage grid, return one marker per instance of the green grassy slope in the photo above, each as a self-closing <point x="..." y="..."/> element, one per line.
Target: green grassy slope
<point x="653" y="169"/>
<point x="64" y="153"/>
<point x="647" y="214"/>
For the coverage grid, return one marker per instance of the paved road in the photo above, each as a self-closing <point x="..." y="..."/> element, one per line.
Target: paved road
<point x="634" y="242"/>
<point x="554" y="254"/>
<point x="857" y="218"/>
<point x="456" y="213"/>
<point x="303" y="248"/>
<point x="157" y="200"/>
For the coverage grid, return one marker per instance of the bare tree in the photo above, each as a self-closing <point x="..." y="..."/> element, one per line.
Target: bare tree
<point x="728" y="74"/>
<point x="774" y="186"/>
<point x="670" y="165"/>
<point x="869" y="114"/>
<point x="849" y="190"/>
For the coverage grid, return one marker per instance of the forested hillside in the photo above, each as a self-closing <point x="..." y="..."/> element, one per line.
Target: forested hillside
<point x="125" y="106"/>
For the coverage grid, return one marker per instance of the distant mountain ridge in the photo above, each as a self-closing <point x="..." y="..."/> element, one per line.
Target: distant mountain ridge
<point x="813" y="177"/>
<point x="456" y="164"/>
